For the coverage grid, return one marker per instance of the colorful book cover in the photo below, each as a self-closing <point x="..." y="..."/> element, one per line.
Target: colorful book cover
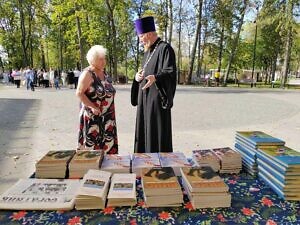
<point x="283" y="155"/>
<point x="204" y="154"/>
<point x="159" y="178"/>
<point x="173" y="159"/>
<point x="226" y="152"/>
<point x="57" y="156"/>
<point x="140" y="160"/>
<point x="260" y="138"/>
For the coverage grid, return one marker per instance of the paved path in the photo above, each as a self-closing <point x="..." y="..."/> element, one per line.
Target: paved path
<point x="31" y="123"/>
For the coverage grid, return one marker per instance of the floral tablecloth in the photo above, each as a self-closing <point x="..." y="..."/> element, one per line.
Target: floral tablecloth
<point x="253" y="202"/>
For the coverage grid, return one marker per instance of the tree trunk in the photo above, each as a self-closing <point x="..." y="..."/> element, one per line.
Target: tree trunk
<point x="114" y="40"/>
<point x="80" y="40"/>
<point x="179" y="43"/>
<point x="221" y="46"/>
<point x="23" y="34"/>
<point x="236" y="40"/>
<point x="197" y="35"/>
<point x="43" y="56"/>
<point x="203" y="49"/>
<point x="288" y="44"/>
<point x="170" y="17"/>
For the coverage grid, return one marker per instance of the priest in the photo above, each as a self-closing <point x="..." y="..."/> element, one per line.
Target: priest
<point x="153" y="91"/>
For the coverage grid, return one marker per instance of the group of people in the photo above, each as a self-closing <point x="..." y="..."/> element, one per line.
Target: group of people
<point x="32" y="78"/>
<point x="152" y="91"/>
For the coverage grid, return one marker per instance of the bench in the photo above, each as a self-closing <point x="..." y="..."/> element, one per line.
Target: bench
<point x="247" y="81"/>
<point x="293" y="82"/>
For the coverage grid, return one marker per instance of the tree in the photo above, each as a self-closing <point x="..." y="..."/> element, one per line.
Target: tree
<point x="197" y="37"/>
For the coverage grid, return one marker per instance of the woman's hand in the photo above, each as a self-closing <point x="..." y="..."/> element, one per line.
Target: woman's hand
<point x="96" y="111"/>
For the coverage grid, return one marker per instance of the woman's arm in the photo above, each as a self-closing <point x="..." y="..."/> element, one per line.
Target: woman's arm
<point x="84" y="83"/>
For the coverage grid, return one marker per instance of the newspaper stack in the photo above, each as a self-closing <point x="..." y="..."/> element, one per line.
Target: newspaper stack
<point x="205" y="188"/>
<point x="144" y="160"/>
<point x="206" y="157"/>
<point x="161" y="187"/>
<point x="93" y="190"/>
<point x="116" y="163"/>
<point x="83" y="161"/>
<point x="122" y="190"/>
<point x="54" y="164"/>
<point x="231" y="161"/>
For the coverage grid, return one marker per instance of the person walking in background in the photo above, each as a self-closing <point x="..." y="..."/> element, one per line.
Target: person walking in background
<point x="46" y="78"/>
<point x="51" y="77"/>
<point x="64" y="78"/>
<point x="56" y="79"/>
<point x="16" y="74"/>
<point x="76" y="77"/>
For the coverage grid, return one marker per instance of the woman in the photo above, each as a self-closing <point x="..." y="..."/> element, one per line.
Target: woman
<point x="98" y="129"/>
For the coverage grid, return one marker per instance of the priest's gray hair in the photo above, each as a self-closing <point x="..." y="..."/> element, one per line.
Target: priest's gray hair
<point x="95" y="52"/>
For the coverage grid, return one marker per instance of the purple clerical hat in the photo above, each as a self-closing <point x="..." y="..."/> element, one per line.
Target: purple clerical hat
<point x="144" y="25"/>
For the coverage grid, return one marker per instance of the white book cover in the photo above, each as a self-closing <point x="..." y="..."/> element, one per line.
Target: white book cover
<point x="40" y="194"/>
<point x="173" y="159"/>
<point x="114" y="161"/>
<point x="95" y="183"/>
<point x="122" y="186"/>
<point x="142" y="160"/>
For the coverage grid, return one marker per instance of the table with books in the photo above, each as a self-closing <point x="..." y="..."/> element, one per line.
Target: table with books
<point x="209" y="188"/>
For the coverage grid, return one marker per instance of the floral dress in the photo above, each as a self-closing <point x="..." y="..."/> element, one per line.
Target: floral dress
<point x="99" y="132"/>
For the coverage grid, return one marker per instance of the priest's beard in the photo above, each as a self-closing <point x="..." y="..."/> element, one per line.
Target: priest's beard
<point x="147" y="46"/>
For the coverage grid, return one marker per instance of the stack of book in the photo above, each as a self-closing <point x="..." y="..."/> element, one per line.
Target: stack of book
<point x="161" y="187"/>
<point x="247" y="142"/>
<point x="40" y="194"/>
<point x="144" y="160"/>
<point x="176" y="160"/>
<point x="231" y="161"/>
<point x="122" y="190"/>
<point x="83" y="161"/>
<point x="93" y="190"/>
<point x="205" y="188"/>
<point x="279" y="167"/>
<point x="116" y="163"/>
<point x="54" y="164"/>
<point x="206" y="157"/>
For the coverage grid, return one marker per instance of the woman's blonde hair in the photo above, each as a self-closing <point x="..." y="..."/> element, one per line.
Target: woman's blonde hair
<point x="95" y="52"/>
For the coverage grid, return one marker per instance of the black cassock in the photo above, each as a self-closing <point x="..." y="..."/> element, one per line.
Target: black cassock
<point x="153" y="131"/>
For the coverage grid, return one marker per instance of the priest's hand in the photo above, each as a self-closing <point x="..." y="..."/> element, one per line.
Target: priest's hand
<point x="139" y="76"/>
<point x="150" y="80"/>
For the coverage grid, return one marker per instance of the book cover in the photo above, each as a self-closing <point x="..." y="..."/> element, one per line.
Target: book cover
<point x="204" y="155"/>
<point x="283" y="155"/>
<point x="159" y="178"/>
<point x="84" y="156"/>
<point x="122" y="186"/>
<point x="173" y="159"/>
<point x="202" y="177"/>
<point x="57" y="157"/>
<point x="141" y="160"/>
<point x="95" y="183"/>
<point x="40" y="194"/>
<point x="260" y="138"/>
<point x="226" y="152"/>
